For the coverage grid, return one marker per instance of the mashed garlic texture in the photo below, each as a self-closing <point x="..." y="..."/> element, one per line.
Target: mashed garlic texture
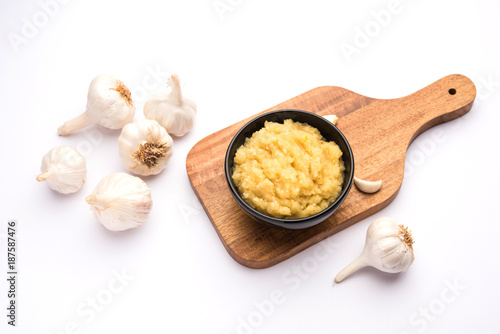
<point x="288" y="170"/>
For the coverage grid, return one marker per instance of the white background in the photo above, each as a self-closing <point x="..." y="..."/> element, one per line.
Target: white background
<point x="236" y="61"/>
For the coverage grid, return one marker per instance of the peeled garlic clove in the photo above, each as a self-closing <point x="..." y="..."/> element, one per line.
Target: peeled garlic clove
<point x="332" y="118"/>
<point x="368" y="187"/>
<point x="64" y="169"/>
<point x="109" y="104"/>
<point x="121" y="201"/>
<point x="145" y="147"/>
<point x="388" y="248"/>
<point x="175" y="112"/>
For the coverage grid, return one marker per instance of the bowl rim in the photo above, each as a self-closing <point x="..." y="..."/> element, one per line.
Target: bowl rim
<point x="283" y="222"/>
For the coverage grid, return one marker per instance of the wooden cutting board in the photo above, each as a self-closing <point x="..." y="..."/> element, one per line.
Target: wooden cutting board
<point x="379" y="132"/>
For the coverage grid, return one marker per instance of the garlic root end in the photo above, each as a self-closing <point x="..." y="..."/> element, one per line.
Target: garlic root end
<point x="368" y="187"/>
<point x="77" y="123"/>
<point x="350" y="269"/>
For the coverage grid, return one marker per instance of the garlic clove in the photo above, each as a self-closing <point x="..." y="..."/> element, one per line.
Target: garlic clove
<point x="332" y="118"/>
<point x="368" y="187"/>
<point x="388" y="248"/>
<point x="121" y="201"/>
<point x="109" y="103"/>
<point x="145" y="147"/>
<point x="170" y="108"/>
<point x="64" y="169"/>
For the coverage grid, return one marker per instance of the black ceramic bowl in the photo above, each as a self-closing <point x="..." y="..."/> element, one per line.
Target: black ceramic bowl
<point x="327" y="130"/>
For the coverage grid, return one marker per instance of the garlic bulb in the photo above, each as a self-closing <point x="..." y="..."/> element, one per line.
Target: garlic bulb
<point x="173" y="111"/>
<point x="64" y="169"/>
<point x="121" y="201"/>
<point x="388" y="248"/>
<point x="145" y="147"/>
<point x="108" y="103"/>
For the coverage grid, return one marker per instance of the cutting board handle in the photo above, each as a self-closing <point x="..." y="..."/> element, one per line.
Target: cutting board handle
<point x="442" y="101"/>
<point x="381" y="131"/>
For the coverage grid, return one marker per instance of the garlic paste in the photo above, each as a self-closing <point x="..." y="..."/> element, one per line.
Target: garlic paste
<point x="288" y="170"/>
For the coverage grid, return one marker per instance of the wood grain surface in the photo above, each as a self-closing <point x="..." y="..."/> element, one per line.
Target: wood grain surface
<point x="379" y="132"/>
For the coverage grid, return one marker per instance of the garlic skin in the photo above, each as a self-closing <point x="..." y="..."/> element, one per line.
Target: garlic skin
<point x="388" y="248"/>
<point x="109" y="104"/>
<point x="64" y="169"/>
<point x="121" y="201"/>
<point x="173" y="111"/>
<point x="145" y="147"/>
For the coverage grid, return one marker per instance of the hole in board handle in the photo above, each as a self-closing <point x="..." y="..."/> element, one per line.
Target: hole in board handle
<point x="452" y="91"/>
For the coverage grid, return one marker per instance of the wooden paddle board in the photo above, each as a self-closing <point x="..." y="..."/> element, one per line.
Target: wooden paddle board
<point x="379" y="132"/>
